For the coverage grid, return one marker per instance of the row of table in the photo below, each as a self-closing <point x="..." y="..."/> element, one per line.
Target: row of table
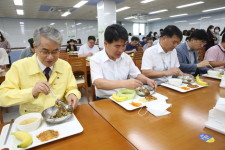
<point x="109" y="126"/>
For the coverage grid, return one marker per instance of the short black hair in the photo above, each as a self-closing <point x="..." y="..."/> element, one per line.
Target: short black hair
<point x="223" y="38"/>
<point x="172" y="30"/>
<point x="31" y="42"/>
<point x="91" y="38"/>
<point x="115" y="32"/>
<point x="210" y="27"/>
<point x="199" y="34"/>
<point x="134" y="38"/>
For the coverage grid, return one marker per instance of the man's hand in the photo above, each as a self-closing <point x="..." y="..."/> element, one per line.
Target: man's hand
<point x="133" y="83"/>
<point x="174" y="71"/>
<point x="89" y="54"/>
<point x="152" y="83"/>
<point x="41" y="87"/>
<point x="72" y="100"/>
<point x="203" y="63"/>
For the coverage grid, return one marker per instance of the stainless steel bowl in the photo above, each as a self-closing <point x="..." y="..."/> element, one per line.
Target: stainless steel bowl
<point x="145" y="90"/>
<point x="221" y="71"/>
<point x="187" y="79"/>
<point x="48" y="113"/>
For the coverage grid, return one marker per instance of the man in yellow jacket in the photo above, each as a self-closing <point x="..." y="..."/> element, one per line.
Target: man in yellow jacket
<point x="29" y="81"/>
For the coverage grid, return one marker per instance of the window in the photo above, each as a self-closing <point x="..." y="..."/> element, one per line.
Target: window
<point x="138" y="28"/>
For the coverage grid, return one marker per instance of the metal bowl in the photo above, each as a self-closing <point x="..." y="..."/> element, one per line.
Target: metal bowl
<point x="187" y="79"/>
<point x="145" y="90"/>
<point x="48" y="113"/>
<point x="221" y="71"/>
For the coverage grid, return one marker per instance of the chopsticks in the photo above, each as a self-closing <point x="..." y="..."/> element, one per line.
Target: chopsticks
<point x="7" y="135"/>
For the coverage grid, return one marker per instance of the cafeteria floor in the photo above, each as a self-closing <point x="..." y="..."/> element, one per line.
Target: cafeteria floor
<point x="14" y="110"/>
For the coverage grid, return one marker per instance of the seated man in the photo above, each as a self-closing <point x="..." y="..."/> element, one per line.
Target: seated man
<point x="112" y="69"/>
<point x="4" y="59"/>
<point x="144" y="41"/>
<point x="216" y="54"/>
<point x="89" y="48"/>
<point x="29" y="51"/>
<point x="29" y="81"/>
<point x="132" y="46"/>
<point x="71" y="46"/>
<point x="148" y="44"/>
<point x="187" y="53"/>
<point x="160" y="61"/>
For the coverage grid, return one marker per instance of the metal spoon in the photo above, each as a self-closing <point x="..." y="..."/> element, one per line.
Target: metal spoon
<point x="7" y="135"/>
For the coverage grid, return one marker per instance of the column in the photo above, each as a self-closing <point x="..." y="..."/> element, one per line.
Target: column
<point x="106" y="16"/>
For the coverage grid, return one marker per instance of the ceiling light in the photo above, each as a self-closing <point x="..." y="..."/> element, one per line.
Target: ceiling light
<point x="18" y="2"/>
<point x="180" y="21"/>
<point x="219" y="19"/>
<point x="51" y="24"/>
<point x="21" y="22"/>
<point x="146" y="1"/>
<point x="194" y="23"/>
<point x="123" y="8"/>
<point x="66" y="14"/>
<point x="132" y="17"/>
<point x="191" y="4"/>
<point x="19" y="12"/>
<point x="81" y="3"/>
<point x="204" y="18"/>
<point x="214" y="9"/>
<point x="153" y="19"/>
<point x="78" y="24"/>
<point x="179" y="15"/>
<point x="158" y="11"/>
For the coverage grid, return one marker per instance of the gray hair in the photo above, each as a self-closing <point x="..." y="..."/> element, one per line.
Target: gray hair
<point x="49" y="33"/>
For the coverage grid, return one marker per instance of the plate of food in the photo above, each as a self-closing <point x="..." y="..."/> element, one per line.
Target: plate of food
<point x="130" y="100"/>
<point x="181" y="86"/>
<point x="37" y="132"/>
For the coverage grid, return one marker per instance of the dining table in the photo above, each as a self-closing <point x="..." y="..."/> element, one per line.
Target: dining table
<point x="97" y="134"/>
<point x="181" y="129"/>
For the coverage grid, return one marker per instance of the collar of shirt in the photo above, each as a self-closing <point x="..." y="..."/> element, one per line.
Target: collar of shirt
<point x="188" y="46"/>
<point x="106" y="57"/>
<point x="42" y="67"/>
<point x="160" y="49"/>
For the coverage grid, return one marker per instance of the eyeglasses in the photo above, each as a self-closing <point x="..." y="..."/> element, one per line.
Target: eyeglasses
<point x="46" y="52"/>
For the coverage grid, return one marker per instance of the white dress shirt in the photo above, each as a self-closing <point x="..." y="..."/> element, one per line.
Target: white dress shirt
<point x="42" y="67"/>
<point x="4" y="59"/>
<point x="84" y="49"/>
<point x="156" y="59"/>
<point x="102" y="67"/>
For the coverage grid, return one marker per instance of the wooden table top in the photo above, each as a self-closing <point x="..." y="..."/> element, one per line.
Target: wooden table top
<point x="97" y="134"/>
<point x="178" y="130"/>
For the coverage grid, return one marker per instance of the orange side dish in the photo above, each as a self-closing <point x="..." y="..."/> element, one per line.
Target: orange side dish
<point x="185" y="88"/>
<point x="136" y="104"/>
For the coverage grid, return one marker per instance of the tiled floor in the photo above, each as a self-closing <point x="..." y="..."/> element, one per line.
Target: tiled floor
<point x="14" y="110"/>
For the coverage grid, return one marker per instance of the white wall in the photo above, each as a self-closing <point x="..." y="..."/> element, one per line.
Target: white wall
<point x="190" y="22"/>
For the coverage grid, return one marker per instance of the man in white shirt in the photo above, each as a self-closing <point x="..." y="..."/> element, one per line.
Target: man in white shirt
<point x="160" y="61"/>
<point x="112" y="69"/>
<point x="4" y="59"/>
<point x="88" y="49"/>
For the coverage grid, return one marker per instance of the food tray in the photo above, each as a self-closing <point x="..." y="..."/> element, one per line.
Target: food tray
<point x="211" y="76"/>
<point x="126" y="104"/>
<point x="178" y="88"/>
<point x="70" y="127"/>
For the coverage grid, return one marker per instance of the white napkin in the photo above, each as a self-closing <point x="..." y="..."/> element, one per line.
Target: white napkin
<point x="220" y="104"/>
<point x="158" y="107"/>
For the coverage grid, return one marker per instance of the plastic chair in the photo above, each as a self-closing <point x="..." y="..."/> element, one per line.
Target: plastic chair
<point x="64" y="56"/>
<point x="79" y="69"/>
<point x="137" y="58"/>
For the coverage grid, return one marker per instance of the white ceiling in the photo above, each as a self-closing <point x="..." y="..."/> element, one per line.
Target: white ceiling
<point x="89" y="12"/>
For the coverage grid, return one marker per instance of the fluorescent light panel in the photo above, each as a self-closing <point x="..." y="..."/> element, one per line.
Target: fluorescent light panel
<point x="66" y="14"/>
<point x="146" y="1"/>
<point x="214" y="9"/>
<point x="78" y="23"/>
<point x="18" y="2"/>
<point x="132" y="17"/>
<point x="122" y="9"/>
<point x="178" y="15"/>
<point x="194" y="23"/>
<point x="153" y="19"/>
<point x="180" y="21"/>
<point x="20" y="12"/>
<point x="158" y="11"/>
<point x="81" y="3"/>
<point x="21" y="22"/>
<point x="51" y="24"/>
<point x="204" y="18"/>
<point x="191" y="4"/>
